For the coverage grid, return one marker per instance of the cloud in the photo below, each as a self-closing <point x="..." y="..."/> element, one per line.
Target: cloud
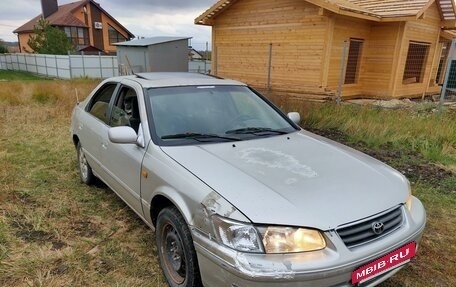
<point x="159" y="5"/>
<point x="19" y="10"/>
<point x="145" y="18"/>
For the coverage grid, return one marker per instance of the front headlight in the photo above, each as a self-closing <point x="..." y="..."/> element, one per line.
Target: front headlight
<point x="290" y="239"/>
<point x="237" y="235"/>
<point x="246" y="238"/>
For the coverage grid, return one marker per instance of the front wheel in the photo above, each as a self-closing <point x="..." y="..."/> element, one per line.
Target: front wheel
<point x="85" y="171"/>
<point x="175" y="249"/>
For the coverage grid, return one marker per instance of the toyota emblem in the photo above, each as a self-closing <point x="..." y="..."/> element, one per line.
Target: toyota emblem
<point x="378" y="227"/>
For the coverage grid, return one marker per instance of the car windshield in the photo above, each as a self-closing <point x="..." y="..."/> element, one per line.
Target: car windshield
<point x="185" y="115"/>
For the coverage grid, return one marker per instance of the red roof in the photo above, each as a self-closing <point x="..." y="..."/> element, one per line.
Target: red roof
<point x="64" y="17"/>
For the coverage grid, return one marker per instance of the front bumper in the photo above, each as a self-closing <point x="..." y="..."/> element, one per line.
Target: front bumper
<point x="332" y="266"/>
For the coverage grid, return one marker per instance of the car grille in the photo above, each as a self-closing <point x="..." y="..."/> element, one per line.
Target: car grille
<point x="362" y="232"/>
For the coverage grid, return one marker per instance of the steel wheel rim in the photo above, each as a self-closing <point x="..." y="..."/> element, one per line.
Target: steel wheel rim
<point x="83" y="166"/>
<point x="173" y="254"/>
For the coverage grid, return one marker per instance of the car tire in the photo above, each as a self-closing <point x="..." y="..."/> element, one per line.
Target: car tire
<point x="85" y="171"/>
<point x="176" y="252"/>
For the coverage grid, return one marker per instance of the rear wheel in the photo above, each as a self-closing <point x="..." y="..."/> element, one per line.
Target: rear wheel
<point x="85" y="171"/>
<point x="175" y="249"/>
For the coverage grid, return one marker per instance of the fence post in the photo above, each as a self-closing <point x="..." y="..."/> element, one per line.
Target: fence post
<point x="215" y="61"/>
<point x="18" y="65"/>
<point x="342" y="73"/>
<point x="45" y="64"/>
<point x="56" y="67"/>
<point x="101" y="67"/>
<point x="25" y="62"/>
<point x="36" y="63"/>
<point x="70" y="64"/>
<point x="269" y="69"/>
<point x="447" y="76"/>
<point x="205" y="58"/>
<point x="113" y="70"/>
<point x="83" y="64"/>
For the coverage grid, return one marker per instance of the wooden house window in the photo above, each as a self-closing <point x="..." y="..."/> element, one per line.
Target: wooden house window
<point x="115" y="36"/>
<point x="415" y="63"/>
<point x="353" y="61"/>
<point x="77" y="35"/>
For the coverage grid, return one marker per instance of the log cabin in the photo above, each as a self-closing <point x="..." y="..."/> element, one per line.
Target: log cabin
<point x="365" y="48"/>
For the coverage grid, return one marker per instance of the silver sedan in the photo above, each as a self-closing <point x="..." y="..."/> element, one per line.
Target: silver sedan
<point x="237" y="193"/>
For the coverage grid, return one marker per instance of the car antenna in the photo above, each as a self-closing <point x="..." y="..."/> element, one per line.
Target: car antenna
<point x="131" y="69"/>
<point x="129" y="66"/>
<point x="77" y="97"/>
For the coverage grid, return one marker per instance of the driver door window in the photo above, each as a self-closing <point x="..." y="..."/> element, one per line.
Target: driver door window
<point x="125" y="111"/>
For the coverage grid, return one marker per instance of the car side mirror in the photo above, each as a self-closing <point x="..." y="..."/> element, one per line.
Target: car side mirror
<point x="295" y="117"/>
<point x="122" y="135"/>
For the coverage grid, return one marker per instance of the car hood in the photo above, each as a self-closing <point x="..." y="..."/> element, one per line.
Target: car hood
<point x="299" y="179"/>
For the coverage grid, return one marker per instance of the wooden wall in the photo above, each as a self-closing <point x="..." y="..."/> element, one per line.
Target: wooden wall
<point x="426" y="30"/>
<point x="307" y="44"/>
<point x="243" y="33"/>
<point x="377" y="55"/>
<point x="106" y="20"/>
<point x="344" y="29"/>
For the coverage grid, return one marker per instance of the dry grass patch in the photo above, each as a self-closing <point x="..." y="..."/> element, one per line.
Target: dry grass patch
<point x="54" y="231"/>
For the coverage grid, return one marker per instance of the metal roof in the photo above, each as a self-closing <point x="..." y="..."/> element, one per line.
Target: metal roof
<point x="150" y="41"/>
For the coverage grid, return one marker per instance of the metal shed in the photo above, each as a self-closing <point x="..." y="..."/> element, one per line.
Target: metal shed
<point x="156" y="54"/>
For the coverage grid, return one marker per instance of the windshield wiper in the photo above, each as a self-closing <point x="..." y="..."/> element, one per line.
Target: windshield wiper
<point x="198" y="136"/>
<point x="256" y="131"/>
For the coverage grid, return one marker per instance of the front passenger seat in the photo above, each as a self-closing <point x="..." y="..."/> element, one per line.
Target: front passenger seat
<point x="135" y="119"/>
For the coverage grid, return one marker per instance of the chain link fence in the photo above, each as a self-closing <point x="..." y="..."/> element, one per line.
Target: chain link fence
<point x="447" y="72"/>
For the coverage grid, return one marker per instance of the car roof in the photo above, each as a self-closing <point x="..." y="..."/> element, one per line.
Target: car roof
<point x="173" y="79"/>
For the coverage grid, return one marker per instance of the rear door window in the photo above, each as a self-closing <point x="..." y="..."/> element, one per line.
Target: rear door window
<point x="99" y="106"/>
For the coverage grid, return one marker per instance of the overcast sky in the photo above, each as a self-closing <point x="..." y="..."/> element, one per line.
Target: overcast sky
<point x="145" y="18"/>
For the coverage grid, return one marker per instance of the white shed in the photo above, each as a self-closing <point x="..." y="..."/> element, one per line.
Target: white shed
<point x="156" y="54"/>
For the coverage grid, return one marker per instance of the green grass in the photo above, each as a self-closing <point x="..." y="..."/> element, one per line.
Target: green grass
<point x="55" y="231"/>
<point x="6" y="75"/>
<point x="420" y="129"/>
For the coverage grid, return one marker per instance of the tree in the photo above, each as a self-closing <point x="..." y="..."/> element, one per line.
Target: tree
<point x="3" y="48"/>
<point x="49" y="40"/>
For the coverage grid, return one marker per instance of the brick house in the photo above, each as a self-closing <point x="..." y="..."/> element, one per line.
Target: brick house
<point x="90" y="28"/>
